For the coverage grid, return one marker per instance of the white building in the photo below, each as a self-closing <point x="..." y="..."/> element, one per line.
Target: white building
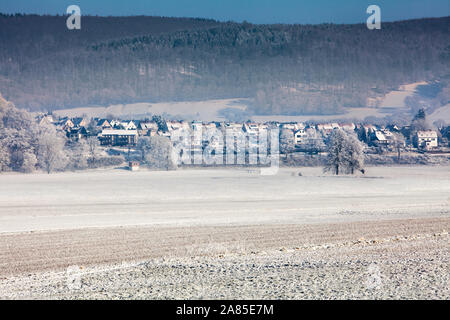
<point x="299" y="135"/>
<point x="118" y="137"/>
<point x="379" y="138"/>
<point x="426" y="139"/>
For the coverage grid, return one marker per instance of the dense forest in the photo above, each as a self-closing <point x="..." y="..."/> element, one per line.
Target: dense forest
<point x="286" y="69"/>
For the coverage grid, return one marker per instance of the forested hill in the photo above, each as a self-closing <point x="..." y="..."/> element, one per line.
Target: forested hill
<point x="287" y="69"/>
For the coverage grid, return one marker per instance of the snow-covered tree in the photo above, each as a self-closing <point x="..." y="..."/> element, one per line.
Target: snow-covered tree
<point x="398" y="143"/>
<point x="286" y="141"/>
<point x="17" y="138"/>
<point x="4" y="157"/>
<point x="50" y="149"/>
<point x="78" y="154"/>
<point x="156" y="152"/>
<point x="29" y="162"/>
<point x="18" y="143"/>
<point x="354" y="155"/>
<point x="336" y="148"/>
<point x="420" y="122"/>
<point x="345" y="153"/>
<point x="144" y="146"/>
<point x="93" y="149"/>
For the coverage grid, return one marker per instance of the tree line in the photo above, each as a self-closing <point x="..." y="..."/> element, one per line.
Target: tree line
<point x="285" y="69"/>
<point x="26" y="145"/>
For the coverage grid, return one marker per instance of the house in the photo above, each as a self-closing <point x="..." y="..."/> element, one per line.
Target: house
<point x="379" y="139"/>
<point x="300" y="125"/>
<point x="348" y="126"/>
<point x="65" y="124"/>
<point x="128" y="125"/>
<point x="214" y="143"/>
<point x="147" y="128"/>
<point x="250" y="126"/>
<point x="80" y="122"/>
<point x="177" y="125"/>
<point x="310" y="141"/>
<point x="387" y="133"/>
<point x="114" y="123"/>
<point x="210" y="126"/>
<point x="76" y="134"/>
<point x="426" y="139"/>
<point x="299" y="136"/>
<point x="335" y="125"/>
<point x="393" y="128"/>
<point x="255" y="131"/>
<point x="45" y="119"/>
<point x="196" y="125"/>
<point x="113" y="137"/>
<point x="289" y="126"/>
<point x="103" y="124"/>
<point x="325" y="128"/>
<point x="251" y="129"/>
<point x="369" y="128"/>
<point x="235" y="127"/>
<point x="163" y="133"/>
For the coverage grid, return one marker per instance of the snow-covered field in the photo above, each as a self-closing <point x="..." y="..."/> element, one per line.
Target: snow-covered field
<point x="210" y="110"/>
<point x="224" y="196"/>
<point x="207" y="110"/>
<point x="226" y="233"/>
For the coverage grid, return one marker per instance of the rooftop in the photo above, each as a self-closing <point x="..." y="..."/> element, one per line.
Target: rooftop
<point x="119" y="132"/>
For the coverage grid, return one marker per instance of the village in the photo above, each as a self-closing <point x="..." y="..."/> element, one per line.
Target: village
<point x="300" y="138"/>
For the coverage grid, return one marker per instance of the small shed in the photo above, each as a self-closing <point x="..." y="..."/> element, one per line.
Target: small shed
<point x="133" y="165"/>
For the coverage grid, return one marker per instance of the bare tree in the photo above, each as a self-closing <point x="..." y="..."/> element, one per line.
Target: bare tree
<point x="29" y="161"/>
<point x="50" y="147"/>
<point x="286" y="141"/>
<point x="354" y="153"/>
<point x="336" y="148"/>
<point x="4" y="156"/>
<point x="398" y="143"/>
<point x="345" y="153"/>
<point x="78" y="154"/>
<point x="93" y="149"/>
<point x="156" y="152"/>
<point x="144" y="146"/>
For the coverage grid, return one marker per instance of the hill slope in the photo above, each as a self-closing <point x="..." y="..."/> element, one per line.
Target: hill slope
<point x="287" y="69"/>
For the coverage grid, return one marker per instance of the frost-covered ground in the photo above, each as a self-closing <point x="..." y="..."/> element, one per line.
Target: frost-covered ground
<point x="393" y="260"/>
<point x="226" y="233"/>
<point x="211" y="197"/>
